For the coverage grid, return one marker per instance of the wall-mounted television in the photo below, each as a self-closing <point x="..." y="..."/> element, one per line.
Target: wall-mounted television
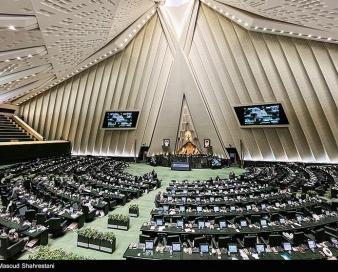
<point x="257" y="115"/>
<point x="120" y="120"/>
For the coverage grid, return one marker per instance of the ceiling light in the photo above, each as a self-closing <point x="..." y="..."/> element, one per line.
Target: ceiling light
<point x="7" y="60"/>
<point x="11" y="27"/>
<point x="19" y="58"/>
<point x="30" y="55"/>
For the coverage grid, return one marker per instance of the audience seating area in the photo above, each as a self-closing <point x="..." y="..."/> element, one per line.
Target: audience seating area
<point x="275" y="212"/>
<point x="43" y="198"/>
<point x="11" y="132"/>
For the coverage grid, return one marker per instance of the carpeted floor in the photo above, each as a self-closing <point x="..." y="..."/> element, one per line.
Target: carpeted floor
<point x="146" y="204"/>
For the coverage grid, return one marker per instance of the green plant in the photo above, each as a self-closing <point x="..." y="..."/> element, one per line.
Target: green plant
<point x="109" y="236"/>
<point x="119" y="218"/>
<point x="45" y="253"/>
<point x="133" y="208"/>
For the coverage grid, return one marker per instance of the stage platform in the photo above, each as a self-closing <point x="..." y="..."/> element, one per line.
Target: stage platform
<point x="22" y="151"/>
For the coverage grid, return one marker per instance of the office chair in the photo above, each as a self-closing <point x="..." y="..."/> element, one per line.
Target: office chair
<point x="41" y="218"/>
<point x="250" y="241"/>
<point x="223" y="241"/>
<point x="199" y="240"/>
<point x="275" y="240"/>
<point x="274" y="217"/>
<point x="143" y="238"/>
<point x="89" y="216"/>
<point x="56" y="226"/>
<point x="255" y="218"/>
<point x="172" y="239"/>
<point x="298" y="238"/>
<point x="30" y="215"/>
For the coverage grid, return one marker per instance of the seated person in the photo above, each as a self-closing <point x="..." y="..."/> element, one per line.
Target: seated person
<point x="13" y="236"/>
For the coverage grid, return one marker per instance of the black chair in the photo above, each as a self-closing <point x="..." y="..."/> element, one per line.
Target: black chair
<point x="250" y="241"/>
<point x="89" y="215"/>
<point x="199" y="240"/>
<point x="255" y="218"/>
<point x="56" y="226"/>
<point x="143" y="238"/>
<point x="320" y="235"/>
<point x="223" y="241"/>
<point x="172" y="239"/>
<point x="41" y="218"/>
<point x="30" y="215"/>
<point x="298" y="238"/>
<point x="9" y="251"/>
<point x="275" y="240"/>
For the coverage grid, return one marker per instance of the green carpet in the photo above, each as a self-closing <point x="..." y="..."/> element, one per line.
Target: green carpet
<point x="146" y="204"/>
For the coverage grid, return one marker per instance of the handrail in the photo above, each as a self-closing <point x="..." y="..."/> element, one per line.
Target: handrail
<point x="25" y="126"/>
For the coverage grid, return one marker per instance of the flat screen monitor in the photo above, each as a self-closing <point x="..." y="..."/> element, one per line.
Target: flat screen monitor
<point x="222" y="224"/>
<point x="212" y="199"/>
<point x="287" y="246"/>
<point x="232" y="208"/>
<point x="149" y="245"/>
<point x="179" y="223"/>
<point x="260" y="248"/>
<point x="184" y="199"/>
<point x="216" y="209"/>
<point x="201" y="224"/>
<point x="204" y="248"/>
<point x="248" y="207"/>
<point x="120" y="120"/>
<point x="312" y="244"/>
<point x="182" y="208"/>
<point x="232" y="248"/>
<point x="159" y="222"/>
<point x="165" y="208"/>
<point x="282" y="220"/>
<point x="170" y="198"/>
<point x="243" y="223"/>
<point x="199" y="209"/>
<point x="176" y="247"/>
<point x="198" y="199"/>
<point x="261" y="115"/>
<point x="264" y="223"/>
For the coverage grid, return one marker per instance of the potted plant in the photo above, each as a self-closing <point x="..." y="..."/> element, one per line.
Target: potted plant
<point x="118" y="221"/>
<point x="134" y="210"/>
<point x="108" y="242"/>
<point x="83" y="237"/>
<point x="45" y="253"/>
<point x="94" y="239"/>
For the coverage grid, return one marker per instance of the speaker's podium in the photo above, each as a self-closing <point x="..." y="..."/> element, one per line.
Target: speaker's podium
<point x="180" y="166"/>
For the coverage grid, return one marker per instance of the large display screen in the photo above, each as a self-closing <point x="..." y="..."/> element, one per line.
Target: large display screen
<point x="120" y="120"/>
<point x="261" y="115"/>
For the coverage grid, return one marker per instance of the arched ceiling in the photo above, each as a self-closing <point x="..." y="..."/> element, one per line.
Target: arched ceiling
<point x="44" y="42"/>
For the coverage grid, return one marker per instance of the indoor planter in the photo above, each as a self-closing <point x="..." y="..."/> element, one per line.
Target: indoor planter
<point x="102" y="241"/>
<point x="108" y="242"/>
<point x="83" y="237"/>
<point x="134" y="210"/>
<point x="118" y="221"/>
<point x="95" y="240"/>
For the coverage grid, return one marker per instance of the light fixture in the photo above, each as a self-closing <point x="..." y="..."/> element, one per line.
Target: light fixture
<point x="30" y="55"/>
<point x="11" y="27"/>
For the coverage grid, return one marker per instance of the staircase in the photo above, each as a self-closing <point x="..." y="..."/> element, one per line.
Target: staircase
<point x="10" y="131"/>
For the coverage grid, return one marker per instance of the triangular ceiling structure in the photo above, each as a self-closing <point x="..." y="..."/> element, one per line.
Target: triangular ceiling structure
<point x="179" y="86"/>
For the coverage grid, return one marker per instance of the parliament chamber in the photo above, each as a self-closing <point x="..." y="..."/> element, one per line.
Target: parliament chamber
<point x="171" y="130"/>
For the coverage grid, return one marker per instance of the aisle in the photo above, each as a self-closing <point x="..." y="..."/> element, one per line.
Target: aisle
<point x="146" y="204"/>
